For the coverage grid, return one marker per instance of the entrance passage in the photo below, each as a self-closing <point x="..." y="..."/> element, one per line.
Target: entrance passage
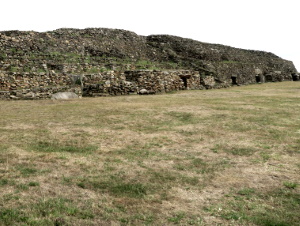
<point x="269" y="78"/>
<point x="295" y="77"/>
<point x="184" y="79"/>
<point x="233" y="80"/>
<point x="185" y="82"/>
<point x="257" y="78"/>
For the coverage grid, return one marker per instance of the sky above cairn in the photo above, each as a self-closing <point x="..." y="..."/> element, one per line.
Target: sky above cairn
<point x="268" y="25"/>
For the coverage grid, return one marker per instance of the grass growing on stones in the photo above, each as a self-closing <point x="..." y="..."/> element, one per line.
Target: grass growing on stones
<point x="213" y="157"/>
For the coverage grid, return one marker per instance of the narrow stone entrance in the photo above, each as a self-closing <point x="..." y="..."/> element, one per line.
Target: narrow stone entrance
<point x="233" y="80"/>
<point x="184" y="79"/>
<point x="257" y="78"/>
<point x="295" y="77"/>
<point x="269" y="78"/>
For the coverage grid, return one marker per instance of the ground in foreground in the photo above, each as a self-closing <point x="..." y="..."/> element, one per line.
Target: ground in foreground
<point x="227" y="157"/>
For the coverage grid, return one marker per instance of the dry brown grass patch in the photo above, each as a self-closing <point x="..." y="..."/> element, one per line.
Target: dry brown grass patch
<point x="187" y="158"/>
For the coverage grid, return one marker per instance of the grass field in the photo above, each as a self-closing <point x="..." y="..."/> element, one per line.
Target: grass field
<point x="213" y="157"/>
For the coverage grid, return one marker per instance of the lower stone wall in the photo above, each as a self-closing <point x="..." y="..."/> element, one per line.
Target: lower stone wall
<point x="36" y="85"/>
<point x="43" y="85"/>
<point x="37" y="93"/>
<point x="25" y="80"/>
<point x="164" y="81"/>
<point x="139" y="82"/>
<point x="108" y="83"/>
<point x="248" y="73"/>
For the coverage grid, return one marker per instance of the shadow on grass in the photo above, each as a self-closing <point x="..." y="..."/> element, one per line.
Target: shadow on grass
<point x="71" y="146"/>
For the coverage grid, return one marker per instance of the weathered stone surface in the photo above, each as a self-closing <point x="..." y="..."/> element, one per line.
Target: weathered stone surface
<point x="101" y="62"/>
<point x="143" y="92"/>
<point x="208" y="82"/>
<point x="64" y="96"/>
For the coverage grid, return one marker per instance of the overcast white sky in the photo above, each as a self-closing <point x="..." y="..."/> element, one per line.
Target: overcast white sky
<point x="268" y="25"/>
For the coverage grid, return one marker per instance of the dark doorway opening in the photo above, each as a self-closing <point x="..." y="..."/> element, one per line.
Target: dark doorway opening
<point x="257" y="78"/>
<point x="233" y="80"/>
<point x="269" y="78"/>
<point x="295" y="77"/>
<point x="184" y="79"/>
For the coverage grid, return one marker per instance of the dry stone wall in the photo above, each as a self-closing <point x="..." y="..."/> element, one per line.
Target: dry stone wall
<point x="112" y="83"/>
<point x="109" y="83"/>
<point x="101" y="62"/>
<point x="139" y="82"/>
<point x="153" y="82"/>
<point x="35" y="86"/>
<point x="29" y="80"/>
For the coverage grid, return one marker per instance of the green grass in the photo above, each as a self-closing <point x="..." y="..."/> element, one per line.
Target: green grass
<point x="201" y="166"/>
<point x="114" y="186"/>
<point x="26" y="171"/>
<point x="3" y="56"/>
<point x="275" y="207"/>
<point x="129" y="189"/>
<point x="14" y="69"/>
<point x="228" y="157"/>
<point x="4" y="182"/>
<point x="184" y="117"/>
<point x="72" y="147"/>
<point x="177" y="218"/>
<point x="94" y="70"/>
<point x="12" y="216"/>
<point x="22" y="187"/>
<point x="246" y="191"/>
<point x="290" y="185"/>
<point x="234" y="149"/>
<point x="240" y="151"/>
<point x="33" y="184"/>
<point x="45" y="212"/>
